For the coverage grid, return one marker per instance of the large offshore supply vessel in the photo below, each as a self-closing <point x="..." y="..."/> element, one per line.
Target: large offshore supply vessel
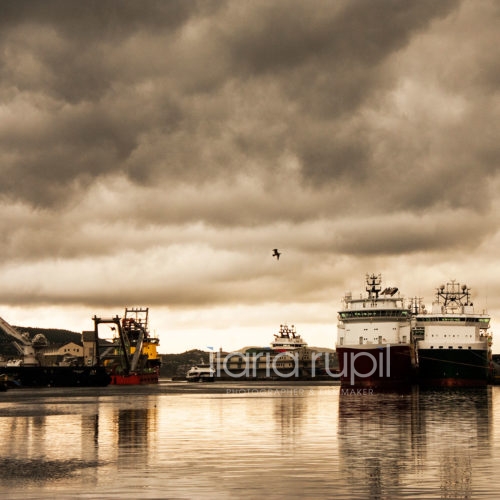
<point x="453" y="343"/>
<point x="374" y="344"/>
<point x="287" y="358"/>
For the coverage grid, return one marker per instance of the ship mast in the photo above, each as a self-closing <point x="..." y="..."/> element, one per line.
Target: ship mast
<point x="453" y="295"/>
<point x="373" y="285"/>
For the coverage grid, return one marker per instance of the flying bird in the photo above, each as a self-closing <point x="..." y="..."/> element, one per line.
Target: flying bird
<point x="276" y="253"/>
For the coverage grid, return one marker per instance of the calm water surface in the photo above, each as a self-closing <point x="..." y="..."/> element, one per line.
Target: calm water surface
<point x="227" y="440"/>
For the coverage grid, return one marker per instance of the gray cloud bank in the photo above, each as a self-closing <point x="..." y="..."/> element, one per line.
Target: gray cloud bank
<point x="180" y="140"/>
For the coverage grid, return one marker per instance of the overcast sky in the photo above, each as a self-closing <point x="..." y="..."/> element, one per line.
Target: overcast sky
<point x="153" y="153"/>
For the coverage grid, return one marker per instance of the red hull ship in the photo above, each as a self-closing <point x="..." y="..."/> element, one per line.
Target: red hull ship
<point x="132" y="359"/>
<point x="374" y="345"/>
<point x="135" y="378"/>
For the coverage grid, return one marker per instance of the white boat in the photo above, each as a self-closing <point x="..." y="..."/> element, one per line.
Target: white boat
<point x="203" y="373"/>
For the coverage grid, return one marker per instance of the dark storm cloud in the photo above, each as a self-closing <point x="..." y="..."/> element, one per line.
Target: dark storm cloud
<point x="338" y="44"/>
<point x="159" y="90"/>
<point x="97" y="19"/>
<point x="72" y="39"/>
<point x="328" y="63"/>
<point x="69" y="73"/>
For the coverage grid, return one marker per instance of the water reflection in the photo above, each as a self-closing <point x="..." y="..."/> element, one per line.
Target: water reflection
<point x="440" y="437"/>
<point x="457" y="427"/>
<point x="275" y="442"/>
<point x="288" y="411"/>
<point x="77" y="439"/>
<point x="133" y="426"/>
<point x="375" y="440"/>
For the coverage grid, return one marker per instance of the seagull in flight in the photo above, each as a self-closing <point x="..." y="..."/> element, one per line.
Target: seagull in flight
<point x="276" y="253"/>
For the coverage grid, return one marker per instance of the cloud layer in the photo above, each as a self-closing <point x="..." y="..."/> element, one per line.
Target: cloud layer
<point x="156" y="152"/>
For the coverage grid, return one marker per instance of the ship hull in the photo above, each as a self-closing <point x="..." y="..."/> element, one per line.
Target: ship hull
<point x="57" y="376"/>
<point x="380" y="366"/>
<point x="201" y="379"/>
<point x="453" y="367"/>
<point x="135" y="378"/>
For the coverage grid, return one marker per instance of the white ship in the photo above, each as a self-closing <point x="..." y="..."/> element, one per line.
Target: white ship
<point x="453" y="343"/>
<point x="374" y="344"/>
<point x="287" y="357"/>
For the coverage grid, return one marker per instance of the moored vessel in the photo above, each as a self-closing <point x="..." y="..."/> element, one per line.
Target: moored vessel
<point x="132" y="359"/>
<point x="287" y="358"/>
<point x="374" y="344"/>
<point x="453" y="343"/>
<point x="201" y="373"/>
<point x="32" y="370"/>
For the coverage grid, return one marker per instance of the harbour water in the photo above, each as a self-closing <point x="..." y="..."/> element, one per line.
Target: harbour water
<point x="257" y="440"/>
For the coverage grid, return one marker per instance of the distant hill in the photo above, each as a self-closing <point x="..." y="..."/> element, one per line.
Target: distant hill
<point x="177" y="365"/>
<point x="55" y="336"/>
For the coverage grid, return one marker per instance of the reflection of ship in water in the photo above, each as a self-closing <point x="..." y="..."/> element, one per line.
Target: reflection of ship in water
<point x="430" y="441"/>
<point x="289" y="411"/>
<point x="134" y="426"/>
<point x="49" y="443"/>
<point x="376" y="445"/>
<point x="116" y="434"/>
<point x="457" y="434"/>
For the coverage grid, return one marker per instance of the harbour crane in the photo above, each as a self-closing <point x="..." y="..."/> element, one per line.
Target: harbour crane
<point x="23" y="343"/>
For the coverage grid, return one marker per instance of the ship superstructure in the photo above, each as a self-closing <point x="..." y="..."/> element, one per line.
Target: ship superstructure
<point x="135" y="324"/>
<point x="287" y="339"/>
<point x="374" y="343"/>
<point x="133" y="358"/>
<point x="453" y="342"/>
